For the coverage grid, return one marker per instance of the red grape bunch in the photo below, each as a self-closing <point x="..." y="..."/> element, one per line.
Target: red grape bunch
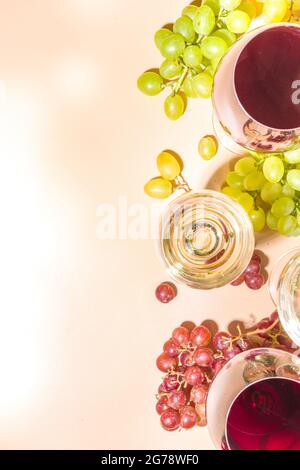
<point x="252" y="276"/>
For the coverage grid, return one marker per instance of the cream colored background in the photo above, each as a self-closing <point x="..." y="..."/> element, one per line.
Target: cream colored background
<point x="80" y="326"/>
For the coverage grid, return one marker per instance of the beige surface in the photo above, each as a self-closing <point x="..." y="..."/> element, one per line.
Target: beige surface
<point x="80" y="327"/>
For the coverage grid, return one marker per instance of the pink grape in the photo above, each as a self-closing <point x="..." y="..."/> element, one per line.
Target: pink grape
<point x="221" y="341"/>
<point x="254" y="282"/>
<point x="170" y="383"/>
<point x="232" y="352"/>
<point x="217" y="365"/>
<point x="274" y="316"/>
<point x="166" y="292"/>
<point x="253" y="267"/>
<point x="200" y="336"/>
<point x="204" y="357"/>
<point x="194" y="376"/>
<point x="188" y="417"/>
<point x="256" y="258"/>
<point x="171" y="349"/>
<point x="199" y="394"/>
<point x="177" y="400"/>
<point x="170" y="420"/>
<point x="187" y="359"/>
<point x="181" y="336"/>
<point x="239" y="281"/>
<point x="264" y="324"/>
<point x="162" y="405"/>
<point x="165" y="363"/>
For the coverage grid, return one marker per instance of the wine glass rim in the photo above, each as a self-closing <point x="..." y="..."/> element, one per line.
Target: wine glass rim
<point x="246" y="388"/>
<point x="258" y="31"/>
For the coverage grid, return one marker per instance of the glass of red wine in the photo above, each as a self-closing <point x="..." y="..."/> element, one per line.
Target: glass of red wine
<point x="256" y="93"/>
<point x="254" y="402"/>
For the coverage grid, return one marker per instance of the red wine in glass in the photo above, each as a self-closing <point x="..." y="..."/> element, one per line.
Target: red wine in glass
<point x="265" y="416"/>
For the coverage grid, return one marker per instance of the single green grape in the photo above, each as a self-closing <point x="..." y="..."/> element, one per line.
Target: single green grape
<point x="190" y="11"/>
<point x="208" y="147"/>
<point x="187" y="87"/>
<point x="287" y="225"/>
<point x="274" y="10"/>
<point x="174" y="107"/>
<point x="272" y="221"/>
<point x="293" y="179"/>
<point x="202" y="85"/>
<point x="258" y="219"/>
<point x="288" y="191"/>
<point x="230" y="4"/>
<point x="246" y="201"/>
<point x="244" y="166"/>
<point x="213" y="47"/>
<point x="283" y="206"/>
<point x="172" y="46"/>
<point x="254" y="181"/>
<point x="238" y="21"/>
<point x="227" y="36"/>
<point x="273" y="169"/>
<point x="213" y="4"/>
<point x="292" y="156"/>
<point x="215" y="63"/>
<point x="168" y="166"/>
<point x="192" y="56"/>
<point x="158" y="188"/>
<point x="160" y="36"/>
<point x="170" y="68"/>
<point x="270" y="192"/>
<point x="205" y="20"/>
<point x="150" y="83"/>
<point x="234" y="180"/>
<point x="249" y="7"/>
<point x="184" y="26"/>
<point x="234" y="193"/>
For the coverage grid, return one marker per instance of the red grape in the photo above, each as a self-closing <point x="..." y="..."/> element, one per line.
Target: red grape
<point x="199" y="394"/>
<point x="264" y="324"/>
<point x="162" y="405"/>
<point x="253" y="267"/>
<point x="194" y="376"/>
<point x="166" y="292"/>
<point x="170" y="420"/>
<point x="187" y="359"/>
<point x="181" y="336"/>
<point x="188" y="417"/>
<point x="200" y="336"/>
<point x="254" y="282"/>
<point x="177" y="400"/>
<point x="244" y="344"/>
<point x="165" y="363"/>
<point x="171" y="349"/>
<point x="232" y="352"/>
<point x="217" y="365"/>
<point x="204" y="357"/>
<point x="238" y="281"/>
<point x="256" y="258"/>
<point x="274" y="316"/>
<point x="170" y="383"/>
<point x="221" y="341"/>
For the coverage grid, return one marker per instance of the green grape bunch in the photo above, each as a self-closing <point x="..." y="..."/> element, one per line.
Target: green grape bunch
<point x="268" y="187"/>
<point x="195" y="45"/>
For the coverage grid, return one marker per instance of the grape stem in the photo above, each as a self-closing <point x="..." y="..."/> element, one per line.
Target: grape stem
<point x="180" y="81"/>
<point x="241" y="336"/>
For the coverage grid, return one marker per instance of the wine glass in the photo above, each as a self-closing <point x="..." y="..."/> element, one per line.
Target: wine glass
<point x="256" y="91"/>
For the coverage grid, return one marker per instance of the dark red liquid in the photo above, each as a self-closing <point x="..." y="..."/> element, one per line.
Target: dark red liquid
<point x="264" y="74"/>
<point x="266" y="416"/>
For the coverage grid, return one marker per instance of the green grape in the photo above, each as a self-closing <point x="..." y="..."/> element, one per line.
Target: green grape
<point x="150" y="83"/>
<point x="270" y="192"/>
<point x="288" y="191"/>
<point x="292" y="156"/>
<point x="213" y="47"/>
<point x="234" y="180"/>
<point x="215" y="63"/>
<point x="287" y="225"/>
<point x="227" y="36"/>
<point x="174" y="107"/>
<point x="170" y="69"/>
<point x="168" y="166"/>
<point x="158" y="188"/>
<point x="160" y="36"/>
<point x="272" y="221"/>
<point x="190" y="11"/>
<point x="234" y="193"/>
<point x="275" y="10"/>
<point x="254" y="181"/>
<point x="204" y="21"/>
<point x="173" y="46"/>
<point x="258" y="219"/>
<point x="202" y="85"/>
<point x="283" y="206"/>
<point x="213" y="4"/>
<point x="192" y="56"/>
<point x="238" y="22"/>
<point x="208" y="147"/>
<point x="187" y="87"/>
<point x="295" y="233"/>
<point x="293" y="179"/>
<point x="246" y="201"/>
<point x="184" y="26"/>
<point x="244" y="166"/>
<point x="230" y="4"/>
<point x="210" y="69"/>
<point x="248" y="6"/>
<point x="273" y="169"/>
